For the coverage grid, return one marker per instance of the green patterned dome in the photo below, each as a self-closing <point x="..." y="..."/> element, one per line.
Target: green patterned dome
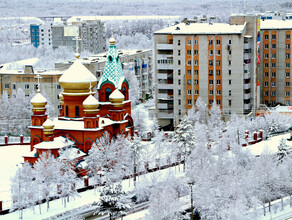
<point x="113" y="72"/>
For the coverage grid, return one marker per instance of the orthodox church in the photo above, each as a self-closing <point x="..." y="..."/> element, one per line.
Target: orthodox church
<point x="82" y="118"/>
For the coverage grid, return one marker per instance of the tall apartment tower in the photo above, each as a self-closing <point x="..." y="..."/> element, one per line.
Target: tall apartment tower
<point x="276" y="84"/>
<point x="208" y="60"/>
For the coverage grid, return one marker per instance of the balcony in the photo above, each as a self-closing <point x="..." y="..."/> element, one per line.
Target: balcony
<point x="164" y="46"/>
<point x="164" y="56"/>
<point x="165" y="66"/>
<point x="162" y="76"/>
<point x="246" y="86"/>
<point x="164" y="86"/>
<point x="247" y="66"/>
<point x="246" y="75"/>
<point x="246" y="56"/>
<point x="162" y="95"/>
<point x="246" y="46"/>
<point x="246" y="106"/>
<point x="162" y="106"/>
<point x="246" y="96"/>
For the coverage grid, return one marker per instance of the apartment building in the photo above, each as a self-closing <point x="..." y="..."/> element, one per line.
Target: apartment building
<point x="21" y="74"/>
<point x="276" y="62"/>
<point x="214" y="61"/>
<point x="134" y="62"/>
<point x="91" y="35"/>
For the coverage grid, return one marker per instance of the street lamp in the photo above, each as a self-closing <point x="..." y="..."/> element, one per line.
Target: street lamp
<point x="191" y="183"/>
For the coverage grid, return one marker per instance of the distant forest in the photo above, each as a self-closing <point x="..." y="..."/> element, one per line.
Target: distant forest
<point x="219" y="8"/>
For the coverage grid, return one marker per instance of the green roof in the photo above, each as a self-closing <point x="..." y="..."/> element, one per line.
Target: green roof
<point x="113" y="71"/>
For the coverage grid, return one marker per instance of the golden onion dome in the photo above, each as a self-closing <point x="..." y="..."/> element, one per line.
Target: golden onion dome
<point x="117" y="98"/>
<point x="112" y="40"/>
<point x="90" y="104"/>
<point x="38" y="102"/>
<point x="48" y="126"/>
<point x="77" y="79"/>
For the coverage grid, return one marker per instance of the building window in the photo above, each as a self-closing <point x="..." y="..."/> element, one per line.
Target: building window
<point x="229" y="52"/>
<point x="188" y="72"/>
<point x="195" y="42"/>
<point x="273" y="46"/>
<point x="266" y="93"/>
<point x="218" y="102"/>
<point x="287" y="93"/>
<point x="210" y="42"/>
<point x="273" y="93"/>
<point x="287" y="36"/>
<point x="266" y="46"/>
<point x="287" y="84"/>
<point x="229" y="82"/>
<point x="287" y="46"/>
<point x="218" y="72"/>
<point x="218" y="92"/>
<point x="273" y="56"/>
<point x="196" y="52"/>
<point x="229" y="72"/>
<point x="210" y="72"/>
<point x="189" y="42"/>
<point x="273" y="37"/>
<point x="178" y="52"/>
<point x="266" y="74"/>
<point x="273" y="74"/>
<point x="287" y="55"/>
<point x="266" y="84"/>
<point x="35" y="86"/>
<point x="196" y="92"/>
<point x="229" y="62"/>
<point x="196" y="82"/>
<point x="189" y="92"/>
<point x="210" y="102"/>
<point x="58" y="87"/>
<point x="178" y="72"/>
<point x="210" y="92"/>
<point x="26" y="86"/>
<point x="189" y="101"/>
<point x="6" y="86"/>
<point x="210" y="82"/>
<point x="189" y="82"/>
<point x="218" y="42"/>
<point x="13" y="86"/>
<point x="229" y="92"/>
<point x="179" y="102"/>
<point x="218" y="62"/>
<point x="189" y="53"/>
<point x="273" y="84"/>
<point x="287" y="74"/>
<point x="196" y="72"/>
<point x="196" y="62"/>
<point x="178" y="62"/>
<point x="179" y="92"/>
<point x="179" y="112"/>
<point x="266" y="37"/>
<point x="210" y="52"/>
<point x="189" y="62"/>
<point x="178" y="43"/>
<point x="67" y="111"/>
<point x="266" y="56"/>
<point x="229" y="102"/>
<point x="179" y="81"/>
<point x="229" y="42"/>
<point x="266" y="65"/>
<point x="218" y="81"/>
<point x="287" y="65"/>
<point x="273" y="65"/>
<point x="287" y="103"/>
<point x="210" y="62"/>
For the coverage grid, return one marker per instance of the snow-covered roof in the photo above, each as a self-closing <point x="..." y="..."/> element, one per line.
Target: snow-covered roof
<point x="38" y="98"/>
<point x="90" y="100"/>
<point x="203" y="28"/>
<point x="282" y="109"/>
<point x="77" y="73"/>
<point x="48" y="123"/>
<point x="57" y="143"/>
<point x="276" y="24"/>
<point x="19" y="64"/>
<point x="71" y="153"/>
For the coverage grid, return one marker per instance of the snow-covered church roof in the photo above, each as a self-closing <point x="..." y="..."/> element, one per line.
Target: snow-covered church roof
<point x="113" y="71"/>
<point x="57" y="143"/>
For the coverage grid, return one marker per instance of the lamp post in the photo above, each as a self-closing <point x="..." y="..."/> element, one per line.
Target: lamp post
<point x="191" y="183"/>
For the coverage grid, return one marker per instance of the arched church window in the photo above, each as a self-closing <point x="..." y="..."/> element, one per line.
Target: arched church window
<point x="118" y="58"/>
<point x="67" y="111"/>
<point x="77" y="111"/>
<point x="124" y="92"/>
<point x="110" y="58"/>
<point x="108" y="91"/>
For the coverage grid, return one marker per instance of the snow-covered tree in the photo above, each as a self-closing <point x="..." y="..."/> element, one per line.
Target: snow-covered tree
<point x="112" y="201"/>
<point x="135" y="146"/>
<point x="184" y="137"/>
<point x="283" y="150"/>
<point x="198" y="113"/>
<point x="215" y="123"/>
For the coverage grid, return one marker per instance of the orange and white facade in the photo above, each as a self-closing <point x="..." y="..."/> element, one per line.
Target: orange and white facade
<point x="213" y="61"/>
<point x="83" y="119"/>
